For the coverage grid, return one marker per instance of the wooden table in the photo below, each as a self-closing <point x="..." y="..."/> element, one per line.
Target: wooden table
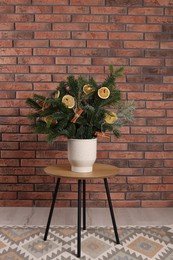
<point x="99" y="171"/>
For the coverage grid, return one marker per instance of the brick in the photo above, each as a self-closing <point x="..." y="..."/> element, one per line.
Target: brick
<point x="52" y="18"/>
<point x="167" y="179"/>
<point x="17" y="154"/>
<point x="89" y="35"/>
<point x="9" y="111"/>
<point x="51" y="52"/>
<point x="147" y="130"/>
<point x="127" y="19"/>
<point x="146" y="163"/>
<point x="16" y="187"/>
<point x="15" y="2"/>
<point x="89" y="2"/>
<point x="86" y="69"/>
<point x="168" y="163"/>
<point x="107" y="61"/>
<point x="146" y="61"/>
<point x="139" y="44"/>
<point x="160" y="155"/>
<point x="89" y="18"/>
<point x="16" y="203"/>
<point x="129" y="138"/>
<point x="67" y="43"/>
<point x="15" y="51"/>
<point x="160" y="138"/>
<point x="144" y="179"/>
<point x="33" y="26"/>
<point x="145" y="147"/>
<point x="71" y="9"/>
<point x="149" y="113"/>
<point x="16" y="35"/>
<point x="167" y="79"/>
<point x="166" y="45"/>
<point x="103" y="44"/>
<point x="8" y="195"/>
<point x="159" y="104"/>
<point x="111" y="146"/>
<point x="51" y="2"/>
<point x="129" y="155"/>
<point x="35" y="60"/>
<point x="8" y="179"/>
<point x="7" y="77"/>
<point x="34" y="195"/>
<point x="157" y="3"/>
<point x="70" y="27"/>
<point x="37" y="162"/>
<point x="158" y="187"/>
<point x="142" y="195"/>
<point x="5" y="43"/>
<point x="169" y="130"/>
<point x="108" y="10"/>
<point x="31" y="43"/>
<point x="102" y="196"/>
<point x="7" y="60"/>
<point x="33" y="9"/>
<point x="145" y="11"/>
<point x="52" y="35"/>
<point x="9" y="145"/>
<point x="167" y="196"/>
<point x="158" y="87"/>
<point x="15" y="86"/>
<point x="32" y="77"/>
<point x="17" y="170"/>
<point x="124" y="2"/>
<point x="6" y="9"/>
<point x="9" y="162"/>
<point x="159" y="53"/>
<point x="14" y="69"/>
<point x="72" y="60"/>
<point x="168" y="11"/>
<point x="127" y="36"/>
<point x="106" y="27"/>
<point x="88" y="52"/>
<point x="160" y="121"/>
<point x="16" y="18"/>
<point x="6" y="26"/>
<point x="158" y="36"/>
<point x="144" y="27"/>
<point x="48" y="69"/>
<point x="159" y="19"/>
<point x="158" y="171"/>
<point x="169" y="113"/>
<point x="125" y="204"/>
<point x="144" y="96"/>
<point x="43" y="86"/>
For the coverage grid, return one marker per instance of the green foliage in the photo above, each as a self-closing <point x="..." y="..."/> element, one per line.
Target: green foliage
<point x="75" y="111"/>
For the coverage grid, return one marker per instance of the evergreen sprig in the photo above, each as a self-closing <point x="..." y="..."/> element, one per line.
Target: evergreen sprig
<point x="81" y="108"/>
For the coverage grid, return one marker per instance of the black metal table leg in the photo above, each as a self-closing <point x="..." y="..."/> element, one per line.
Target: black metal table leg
<point x="111" y="211"/>
<point x="84" y="204"/>
<point x="51" y="209"/>
<point x="79" y="221"/>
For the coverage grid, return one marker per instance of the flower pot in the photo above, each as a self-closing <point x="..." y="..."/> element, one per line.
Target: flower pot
<point x="82" y="154"/>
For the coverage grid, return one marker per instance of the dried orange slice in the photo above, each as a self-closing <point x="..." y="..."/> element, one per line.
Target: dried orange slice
<point x="87" y="89"/>
<point x="104" y="92"/>
<point x="110" y="118"/>
<point x="69" y="101"/>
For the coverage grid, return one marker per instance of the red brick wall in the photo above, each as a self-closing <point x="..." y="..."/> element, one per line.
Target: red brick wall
<point x="41" y="42"/>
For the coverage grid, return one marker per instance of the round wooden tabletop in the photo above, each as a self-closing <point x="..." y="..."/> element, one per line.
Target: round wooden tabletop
<point x="99" y="171"/>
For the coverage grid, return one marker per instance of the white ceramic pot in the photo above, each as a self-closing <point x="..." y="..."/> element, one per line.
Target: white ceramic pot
<point x="82" y="154"/>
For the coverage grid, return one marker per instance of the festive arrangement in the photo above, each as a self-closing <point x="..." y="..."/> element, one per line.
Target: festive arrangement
<point x="81" y="109"/>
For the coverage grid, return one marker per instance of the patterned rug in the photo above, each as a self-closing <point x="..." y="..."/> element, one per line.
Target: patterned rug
<point x="142" y="243"/>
